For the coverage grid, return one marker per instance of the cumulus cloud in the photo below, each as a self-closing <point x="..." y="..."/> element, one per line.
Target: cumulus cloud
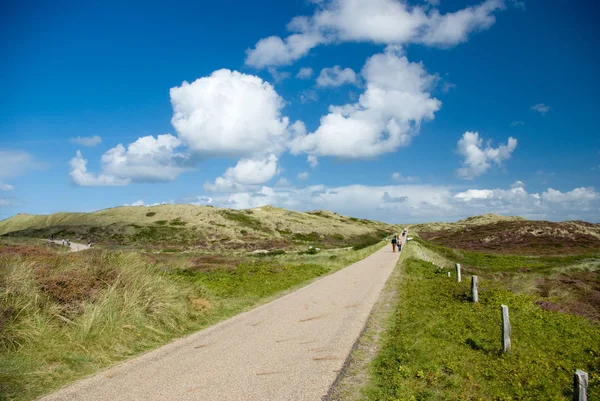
<point x="6" y="187"/>
<point x="387" y="115"/>
<point x="377" y="21"/>
<point x="229" y="114"/>
<point x="400" y="178"/>
<point x="336" y="76"/>
<point x="303" y="176"/>
<point x="89" y="141"/>
<point x="304" y="73"/>
<point x="478" y="160"/>
<point x="14" y="163"/>
<point x="540" y="108"/>
<point x="148" y="159"/>
<point x="516" y="123"/>
<point x="247" y="172"/>
<point x="418" y="203"/>
<point x="312" y="160"/>
<point x="82" y="177"/>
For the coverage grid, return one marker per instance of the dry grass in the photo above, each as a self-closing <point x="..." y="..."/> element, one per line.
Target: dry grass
<point x="185" y="227"/>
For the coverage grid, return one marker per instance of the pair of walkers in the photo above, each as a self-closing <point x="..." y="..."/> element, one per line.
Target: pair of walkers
<point x="396" y="242"/>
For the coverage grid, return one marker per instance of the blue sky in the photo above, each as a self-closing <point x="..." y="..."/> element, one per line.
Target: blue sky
<point x="411" y="110"/>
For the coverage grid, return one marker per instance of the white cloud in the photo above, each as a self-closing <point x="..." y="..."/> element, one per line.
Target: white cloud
<point x="419" y="203"/>
<point x="378" y="21"/>
<point x="400" y="178"/>
<point x="229" y="114"/>
<point x="448" y="86"/>
<point x="275" y="51"/>
<point x="387" y="115"/>
<point x="6" y="187"/>
<point x="312" y="160"/>
<point x="336" y="76"/>
<point x="453" y="28"/>
<point x="516" y="123"/>
<point x="303" y="176"/>
<point x="142" y="203"/>
<point x="80" y="175"/>
<point x="308" y="95"/>
<point x="87" y="140"/>
<point x="148" y="159"/>
<point x="304" y="73"/>
<point x="282" y="182"/>
<point x="540" y="108"/>
<point x="14" y="163"/>
<point x="478" y="159"/>
<point x="247" y="172"/>
<point x="518" y="184"/>
<point x="278" y="76"/>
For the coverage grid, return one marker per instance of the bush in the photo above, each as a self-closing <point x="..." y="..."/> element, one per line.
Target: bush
<point x="150" y="214"/>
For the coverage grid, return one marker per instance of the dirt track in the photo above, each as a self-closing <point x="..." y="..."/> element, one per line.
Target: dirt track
<point x="290" y="349"/>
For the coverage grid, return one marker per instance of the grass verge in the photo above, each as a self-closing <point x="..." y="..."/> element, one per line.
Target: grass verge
<point x="442" y="347"/>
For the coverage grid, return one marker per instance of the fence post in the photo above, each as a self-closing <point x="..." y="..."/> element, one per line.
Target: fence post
<point x="458" y="272"/>
<point x="474" y="291"/>
<point x="505" y="329"/>
<point x="580" y="385"/>
<point x="448" y="274"/>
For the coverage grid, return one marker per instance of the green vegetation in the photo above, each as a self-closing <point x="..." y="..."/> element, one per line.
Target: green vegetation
<point x="177" y="222"/>
<point x="366" y="241"/>
<point x="66" y="315"/>
<point x="150" y="214"/>
<point x="243" y="219"/>
<point x="504" y="262"/>
<point x="310" y="237"/>
<point x="161" y="222"/>
<point x="443" y="347"/>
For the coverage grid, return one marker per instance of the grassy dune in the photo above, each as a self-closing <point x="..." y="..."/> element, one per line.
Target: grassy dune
<point x="185" y="227"/>
<point x="66" y="315"/>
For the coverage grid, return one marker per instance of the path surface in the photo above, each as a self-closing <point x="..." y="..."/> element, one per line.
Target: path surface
<point x="290" y="349"/>
<point x="75" y="247"/>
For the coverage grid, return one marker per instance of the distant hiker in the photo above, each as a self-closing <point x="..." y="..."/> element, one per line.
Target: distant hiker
<point x="51" y="237"/>
<point x="394" y="242"/>
<point x="89" y="244"/>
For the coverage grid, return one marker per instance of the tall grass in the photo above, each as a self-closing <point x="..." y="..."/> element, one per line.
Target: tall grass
<point x="64" y="316"/>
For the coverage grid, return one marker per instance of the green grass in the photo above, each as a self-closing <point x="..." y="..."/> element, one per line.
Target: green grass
<point x="243" y="219"/>
<point x="65" y="316"/>
<point x="443" y="347"/>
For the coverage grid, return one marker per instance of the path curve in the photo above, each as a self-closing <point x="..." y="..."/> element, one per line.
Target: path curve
<point x="291" y="349"/>
<point x="75" y="247"/>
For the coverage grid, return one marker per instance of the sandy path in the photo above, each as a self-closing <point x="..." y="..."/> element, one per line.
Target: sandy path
<point x="292" y="348"/>
<point x="75" y="247"/>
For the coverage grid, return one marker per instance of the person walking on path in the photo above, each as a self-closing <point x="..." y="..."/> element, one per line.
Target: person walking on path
<point x="394" y="242"/>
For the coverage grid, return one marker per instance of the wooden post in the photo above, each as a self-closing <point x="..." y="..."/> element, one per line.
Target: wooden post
<point x="580" y="385"/>
<point x="458" y="272"/>
<point x="505" y="329"/>
<point x="474" y="291"/>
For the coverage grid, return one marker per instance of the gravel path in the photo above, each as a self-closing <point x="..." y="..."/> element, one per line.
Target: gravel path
<point x="292" y="348"/>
